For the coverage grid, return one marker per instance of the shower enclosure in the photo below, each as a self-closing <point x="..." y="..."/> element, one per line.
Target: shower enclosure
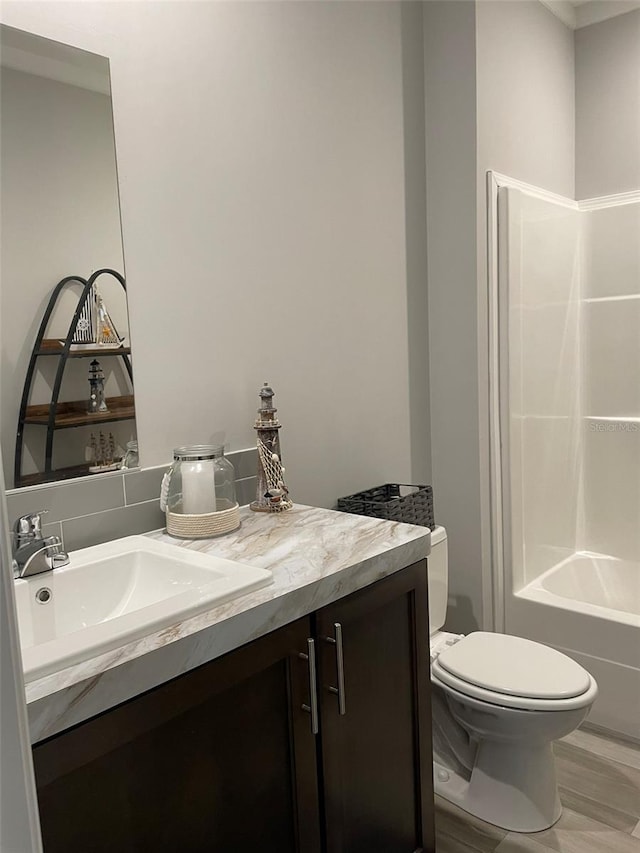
<point x="565" y="368"/>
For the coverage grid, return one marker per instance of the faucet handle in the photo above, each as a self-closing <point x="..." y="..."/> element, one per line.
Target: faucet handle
<point x="29" y="526"/>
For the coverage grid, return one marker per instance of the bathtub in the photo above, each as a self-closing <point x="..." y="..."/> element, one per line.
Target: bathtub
<point x="588" y="606"/>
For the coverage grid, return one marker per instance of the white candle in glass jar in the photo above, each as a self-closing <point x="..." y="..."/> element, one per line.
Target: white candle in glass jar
<point x="198" y="486"/>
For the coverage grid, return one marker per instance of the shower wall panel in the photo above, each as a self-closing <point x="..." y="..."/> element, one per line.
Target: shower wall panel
<point x="569" y="382"/>
<point x="611" y="371"/>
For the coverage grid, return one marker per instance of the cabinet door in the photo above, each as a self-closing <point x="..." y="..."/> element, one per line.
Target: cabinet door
<point x="376" y="717"/>
<point x="220" y="759"/>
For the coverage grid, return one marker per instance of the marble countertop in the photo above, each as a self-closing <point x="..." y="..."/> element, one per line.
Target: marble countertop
<point x="316" y="555"/>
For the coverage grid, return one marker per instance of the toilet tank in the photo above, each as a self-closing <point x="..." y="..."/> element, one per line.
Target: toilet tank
<point x="438" y="574"/>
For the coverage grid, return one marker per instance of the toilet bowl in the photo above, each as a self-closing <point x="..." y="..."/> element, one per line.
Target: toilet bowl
<point x="499" y="702"/>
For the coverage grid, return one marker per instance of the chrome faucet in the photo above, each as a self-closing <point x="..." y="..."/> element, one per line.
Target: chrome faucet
<point x="34" y="553"/>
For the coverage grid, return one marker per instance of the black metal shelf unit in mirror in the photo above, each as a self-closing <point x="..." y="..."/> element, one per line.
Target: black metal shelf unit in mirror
<point x="91" y="333"/>
<point x="64" y="321"/>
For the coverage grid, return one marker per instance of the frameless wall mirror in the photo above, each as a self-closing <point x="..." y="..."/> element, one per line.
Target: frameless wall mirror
<point x="66" y="392"/>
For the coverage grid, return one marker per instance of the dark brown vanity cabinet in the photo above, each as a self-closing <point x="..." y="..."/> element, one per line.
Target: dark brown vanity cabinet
<point x="376" y="718"/>
<point x="224" y="758"/>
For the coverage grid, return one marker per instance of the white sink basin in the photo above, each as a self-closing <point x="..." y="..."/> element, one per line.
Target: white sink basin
<point x="113" y="593"/>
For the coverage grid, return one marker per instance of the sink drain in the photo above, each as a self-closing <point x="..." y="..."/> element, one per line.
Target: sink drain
<point x="43" y="595"/>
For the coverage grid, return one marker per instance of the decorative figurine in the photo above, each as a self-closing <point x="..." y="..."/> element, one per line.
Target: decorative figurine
<point x="272" y="494"/>
<point x="102" y="453"/>
<point x="97" y="402"/>
<point x="95" y="327"/>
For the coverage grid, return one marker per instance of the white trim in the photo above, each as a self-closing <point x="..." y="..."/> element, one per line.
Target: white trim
<point x="493" y="574"/>
<point x="603" y="201"/>
<point x="504" y="181"/>
<point x="614" y="200"/>
<point x="626" y="298"/>
<point x="632" y="419"/>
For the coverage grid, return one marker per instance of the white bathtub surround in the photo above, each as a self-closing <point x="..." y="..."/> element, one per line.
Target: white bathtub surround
<point x="316" y="557"/>
<point x="567" y="354"/>
<point x="587" y="607"/>
<point x="601" y="585"/>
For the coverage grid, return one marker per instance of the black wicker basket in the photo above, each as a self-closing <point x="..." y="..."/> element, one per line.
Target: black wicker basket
<point x="395" y="502"/>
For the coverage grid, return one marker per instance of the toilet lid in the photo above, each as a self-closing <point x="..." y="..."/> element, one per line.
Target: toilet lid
<point x="514" y="666"/>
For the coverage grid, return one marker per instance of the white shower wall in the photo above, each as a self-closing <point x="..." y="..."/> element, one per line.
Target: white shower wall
<point x="611" y="370"/>
<point x="572" y="279"/>
<point x="568" y="448"/>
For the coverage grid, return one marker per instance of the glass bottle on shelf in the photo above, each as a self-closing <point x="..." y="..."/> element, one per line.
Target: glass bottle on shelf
<point x="131" y="457"/>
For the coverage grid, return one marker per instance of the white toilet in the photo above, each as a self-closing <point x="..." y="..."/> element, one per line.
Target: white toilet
<point x="498" y="703"/>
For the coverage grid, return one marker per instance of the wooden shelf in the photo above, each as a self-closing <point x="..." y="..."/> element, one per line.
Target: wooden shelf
<point x="52" y="346"/>
<point x="74" y="414"/>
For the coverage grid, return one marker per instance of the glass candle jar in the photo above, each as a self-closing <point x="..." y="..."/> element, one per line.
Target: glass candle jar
<point x="131" y="457"/>
<point x="199" y="493"/>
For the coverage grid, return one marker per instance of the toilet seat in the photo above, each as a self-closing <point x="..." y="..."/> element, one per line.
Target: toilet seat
<point x="513" y="672"/>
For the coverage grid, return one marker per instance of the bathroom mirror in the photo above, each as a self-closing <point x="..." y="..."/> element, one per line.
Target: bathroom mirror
<point x="60" y="218"/>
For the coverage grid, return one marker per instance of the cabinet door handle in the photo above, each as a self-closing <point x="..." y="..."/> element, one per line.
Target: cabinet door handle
<point x="339" y="690"/>
<point x="313" y="690"/>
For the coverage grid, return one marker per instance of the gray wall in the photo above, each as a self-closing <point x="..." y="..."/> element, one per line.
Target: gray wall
<point x="262" y="163"/>
<point x="415" y="186"/>
<point x="450" y="92"/>
<point x="608" y="107"/>
<point x="526" y="85"/>
<point x="499" y="95"/>
<point x="526" y="130"/>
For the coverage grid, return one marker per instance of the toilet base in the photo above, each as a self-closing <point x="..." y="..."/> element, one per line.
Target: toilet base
<point x="512" y="786"/>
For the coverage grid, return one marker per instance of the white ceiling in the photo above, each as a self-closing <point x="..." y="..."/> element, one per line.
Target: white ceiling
<point x="582" y="13"/>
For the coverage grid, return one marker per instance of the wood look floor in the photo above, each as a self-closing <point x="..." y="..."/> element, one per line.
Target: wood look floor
<point x="599" y="782"/>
